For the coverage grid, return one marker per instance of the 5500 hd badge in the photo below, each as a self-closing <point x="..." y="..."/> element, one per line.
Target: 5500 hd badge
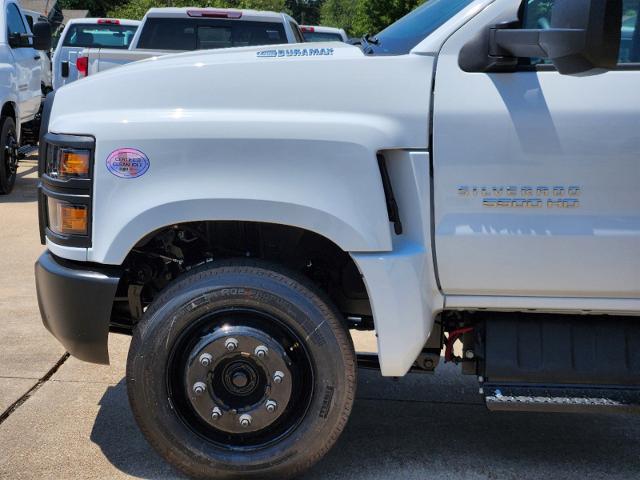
<point x="517" y="196"/>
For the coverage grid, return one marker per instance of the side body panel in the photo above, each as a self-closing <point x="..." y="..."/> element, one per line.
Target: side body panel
<point x="101" y="59"/>
<point x="402" y="284"/>
<point x="536" y="178"/>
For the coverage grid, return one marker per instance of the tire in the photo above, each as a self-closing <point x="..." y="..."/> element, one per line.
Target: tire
<point x="253" y="303"/>
<point x="8" y="148"/>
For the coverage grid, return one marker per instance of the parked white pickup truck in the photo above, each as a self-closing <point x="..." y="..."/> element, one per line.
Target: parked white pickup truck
<point x="20" y="86"/>
<point x="82" y="33"/>
<point x="171" y="30"/>
<point x="462" y="176"/>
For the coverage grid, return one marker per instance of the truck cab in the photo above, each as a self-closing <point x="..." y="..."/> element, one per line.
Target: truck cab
<point x="463" y="184"/>
<point x="81" y="33"/>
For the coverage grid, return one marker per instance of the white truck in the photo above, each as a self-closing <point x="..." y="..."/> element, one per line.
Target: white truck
<point x="20" y="86"/>
<point x="463" y="176"/>
<point x="170" y="30"/>
<point x="81" y="33"/>
<point x="317" y="33"/>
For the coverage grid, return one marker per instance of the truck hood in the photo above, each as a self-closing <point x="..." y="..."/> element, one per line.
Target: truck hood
<point x="312" y="82"/>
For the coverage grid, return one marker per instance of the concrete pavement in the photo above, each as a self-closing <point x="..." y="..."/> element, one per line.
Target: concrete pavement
<point x="77" y="423"/>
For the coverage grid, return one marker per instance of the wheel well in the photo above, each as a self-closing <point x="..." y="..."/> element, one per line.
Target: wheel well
<point x="8" y="110"/>
<point x="165" y="254"/>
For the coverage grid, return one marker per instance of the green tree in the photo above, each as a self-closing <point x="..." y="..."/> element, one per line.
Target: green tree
<point x="97" y="8"/>
<point x="306" y="12"/>
<point x="340" y="14"/>
<point x="358" y="17"/>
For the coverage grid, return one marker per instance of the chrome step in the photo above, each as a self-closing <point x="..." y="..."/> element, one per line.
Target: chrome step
<point x="569" y="399"/>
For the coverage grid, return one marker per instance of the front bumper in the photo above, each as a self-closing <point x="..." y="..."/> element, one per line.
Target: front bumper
<point x="75" y="301"/>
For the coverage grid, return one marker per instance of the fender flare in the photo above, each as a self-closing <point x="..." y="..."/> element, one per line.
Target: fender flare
<point x="323" y="223"/>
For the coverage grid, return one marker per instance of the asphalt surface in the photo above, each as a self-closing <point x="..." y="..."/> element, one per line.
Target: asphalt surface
<point x="72" y="419"/>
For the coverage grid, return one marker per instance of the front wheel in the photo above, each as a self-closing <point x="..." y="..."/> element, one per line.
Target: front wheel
<point x="8" y="155"/>
<point x="241" y="370"/>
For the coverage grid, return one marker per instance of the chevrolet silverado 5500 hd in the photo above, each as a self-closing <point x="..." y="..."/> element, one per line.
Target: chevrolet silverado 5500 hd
<point x="470" y="174"/>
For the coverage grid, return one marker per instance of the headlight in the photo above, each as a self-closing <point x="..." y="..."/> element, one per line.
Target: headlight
<point x="66" y="218"/>
<point x="65" y="189"/>
<point x="67" y="163"/>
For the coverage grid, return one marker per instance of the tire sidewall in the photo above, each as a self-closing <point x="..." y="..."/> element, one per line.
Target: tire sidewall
<point x="7" y="181"/>
<point x="303" y="312"/>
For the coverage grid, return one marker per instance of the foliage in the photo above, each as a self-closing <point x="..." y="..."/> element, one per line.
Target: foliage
<point x="358" y="17"/>
<point x="307" y="12"/>
<point x="97" y="8"/>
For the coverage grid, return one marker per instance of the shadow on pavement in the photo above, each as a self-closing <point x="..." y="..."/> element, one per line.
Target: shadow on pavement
<point x="423" y="427"/>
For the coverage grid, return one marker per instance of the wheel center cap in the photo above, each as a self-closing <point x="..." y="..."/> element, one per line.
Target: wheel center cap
<point x="240" y="379"/>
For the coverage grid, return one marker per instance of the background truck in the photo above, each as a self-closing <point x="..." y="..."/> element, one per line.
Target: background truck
<point x="463" y="178"/>
<point x="171" y="30"/>
<point x="82" y="33"/>
<point x="313" y="33"/>
<point x="21" y="51"/>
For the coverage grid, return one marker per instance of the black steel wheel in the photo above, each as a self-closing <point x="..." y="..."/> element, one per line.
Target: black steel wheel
<point x="241" y="370"/>
<point x="8" y="155"/>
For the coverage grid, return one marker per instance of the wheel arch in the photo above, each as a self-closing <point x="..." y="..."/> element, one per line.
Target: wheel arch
<point x="339" y="231"/>
<point x="10" y="109"/>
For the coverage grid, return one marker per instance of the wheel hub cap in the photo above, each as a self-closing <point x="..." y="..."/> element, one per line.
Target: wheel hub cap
<point x="247" y="388"/>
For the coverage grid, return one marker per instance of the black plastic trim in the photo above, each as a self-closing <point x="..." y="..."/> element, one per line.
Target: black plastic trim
<point x="392" y="205"/>
<point x="561" y="349"/>
<point x="44" y="128"/>
<point x="75" y="301"/>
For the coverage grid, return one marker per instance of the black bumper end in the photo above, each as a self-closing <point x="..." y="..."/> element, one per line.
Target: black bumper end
<point x="75" y="303"/>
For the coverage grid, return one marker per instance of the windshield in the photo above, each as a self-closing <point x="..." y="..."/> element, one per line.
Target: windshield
<point x="99" y="36"/>
<point x="406" y="33"/>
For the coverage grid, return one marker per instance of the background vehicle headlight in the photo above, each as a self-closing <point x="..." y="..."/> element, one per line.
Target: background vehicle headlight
<point x="66" y="218"/>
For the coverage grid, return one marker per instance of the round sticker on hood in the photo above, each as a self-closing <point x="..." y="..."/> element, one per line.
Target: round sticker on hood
<point x="127" y="163"/>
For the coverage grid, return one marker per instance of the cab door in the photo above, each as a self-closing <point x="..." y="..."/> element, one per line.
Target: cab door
<point x="537" y="174"/>
<point x="27" y="64"/>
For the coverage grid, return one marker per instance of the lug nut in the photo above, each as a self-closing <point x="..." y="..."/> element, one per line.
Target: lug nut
<point x="216" y="413"/>
<point x="278" y="377"/>
<point x="271" y="406"/>
<point x="231" y="344"/>
<point x="205" y="359"/>
<point x="199" y="388"/>
<point x="245" y="420"/>
<point x="261" y="351"/>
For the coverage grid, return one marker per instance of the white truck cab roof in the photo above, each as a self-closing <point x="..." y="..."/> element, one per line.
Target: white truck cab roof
<point x="222" y="13"/>
<point x="100" y="21"/>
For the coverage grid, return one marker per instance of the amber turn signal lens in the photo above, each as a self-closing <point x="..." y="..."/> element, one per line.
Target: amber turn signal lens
<point x="73" y="163"/>
<point x="66" y="218"/>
